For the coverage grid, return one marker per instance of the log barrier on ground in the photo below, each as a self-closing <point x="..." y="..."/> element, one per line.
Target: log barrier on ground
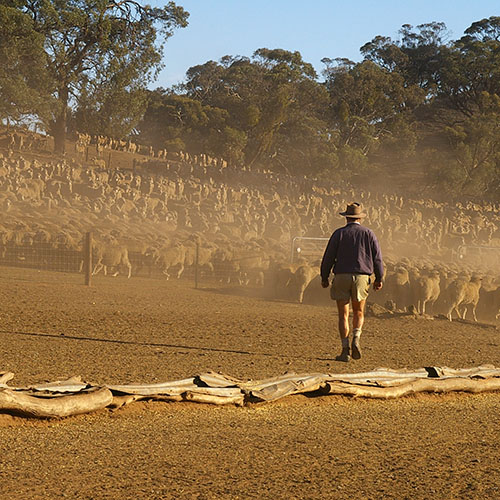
<point x="74" y="396"/>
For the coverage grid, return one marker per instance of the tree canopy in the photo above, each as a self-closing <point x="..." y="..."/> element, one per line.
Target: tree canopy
<point x="422" y="105"/>
<point x="97" y="55"/>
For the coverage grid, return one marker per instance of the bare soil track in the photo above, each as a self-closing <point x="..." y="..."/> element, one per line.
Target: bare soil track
<point x="141" y="330"/>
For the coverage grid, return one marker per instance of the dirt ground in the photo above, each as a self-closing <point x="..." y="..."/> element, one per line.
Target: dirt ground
<point x="142" y="330"/>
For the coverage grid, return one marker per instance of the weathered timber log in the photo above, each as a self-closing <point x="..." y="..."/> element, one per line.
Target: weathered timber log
<point x="5" y="377"/>
<point x="53" y="399"/>
<point x="366" y="377"/>
<point x="62" y="406"/>
<point x="125" y="399"/>
<point x="224" y="392"/>
<point x="255" y="385"/>
<point x="287" y="387"/>
<point x="73" y="384"/>
<point x="164" y="388"/>
<point x="119" y="401"/>
<point x="213" y="379"/>
<point x="382" y="382"/>
<point x="170" y="398"/>
<point x="477" y="371"/>
<point x="197" y="397"/>
<point x="432" y="385"/>
<point x="152" y="391"/>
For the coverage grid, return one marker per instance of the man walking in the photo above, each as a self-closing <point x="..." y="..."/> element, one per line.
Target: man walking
<point x="354" y="254"/>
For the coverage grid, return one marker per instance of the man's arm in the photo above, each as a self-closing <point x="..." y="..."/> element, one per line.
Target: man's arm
<point x="328" y="260"/>
<point x="378" y="264"/>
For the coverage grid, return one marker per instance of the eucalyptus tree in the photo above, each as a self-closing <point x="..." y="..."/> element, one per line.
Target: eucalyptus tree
<point x="178" y="122"/>
<point x="416" y="56"/>
<point x="469" y="163"/>
<point x="23" y="76"/>
<point x="95" y="50"/>
<point x="457" y="121"/>
<point x="371" y="108"/>
<point x="273" y="106"/>
<point x="472" y="67"/>
<point x="466" y="113"/>
<point x="289" y="96"/>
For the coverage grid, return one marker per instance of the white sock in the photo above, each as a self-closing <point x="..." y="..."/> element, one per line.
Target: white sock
<point x="356" y="333"/>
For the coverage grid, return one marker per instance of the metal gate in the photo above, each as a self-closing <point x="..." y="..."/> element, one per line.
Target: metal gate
<point x="307" y="247"/>
<point x="480" y="255"/>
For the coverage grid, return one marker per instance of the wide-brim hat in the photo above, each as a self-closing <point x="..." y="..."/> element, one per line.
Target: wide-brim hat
<point x="354" y="211"/>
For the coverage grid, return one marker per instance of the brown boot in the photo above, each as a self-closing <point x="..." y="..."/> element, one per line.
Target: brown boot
<point x="356" y="349"/>
<point x="344" y="355"/>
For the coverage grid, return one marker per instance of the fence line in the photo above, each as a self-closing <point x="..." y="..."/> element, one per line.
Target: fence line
<point x="246" y="268"/>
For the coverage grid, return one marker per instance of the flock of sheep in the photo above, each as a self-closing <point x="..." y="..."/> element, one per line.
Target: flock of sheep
<point x="237" y="224"/>
<point x="450" y="291"/>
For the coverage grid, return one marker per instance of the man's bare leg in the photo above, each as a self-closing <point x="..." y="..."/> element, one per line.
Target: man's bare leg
<point x="343" y="309"/>
<point x="358" y="319"/>
<point x="358" y="313"/>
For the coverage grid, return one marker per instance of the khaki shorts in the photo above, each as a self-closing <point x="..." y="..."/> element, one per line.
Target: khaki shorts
<point x="350" y="286"/>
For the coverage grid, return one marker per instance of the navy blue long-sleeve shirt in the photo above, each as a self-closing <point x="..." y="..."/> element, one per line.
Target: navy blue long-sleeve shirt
<point x="353" y="249"/>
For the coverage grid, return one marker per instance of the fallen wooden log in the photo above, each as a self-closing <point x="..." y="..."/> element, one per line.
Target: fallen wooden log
<point x="432" y="385"/>
<point x="73" y="384"/>
<point x="197" y="397"/>
<point x="257" y="385"/>
<point x="214" y="395"/>
<point x="73" y="397"/>
<point x="367" y="377"/>
<point x="164" y="388"/>
<point x="119" y="401"/>
<point x="280" y="389"/>
<point x="125" y="399"/>
<point x="478" y="371"/>
<point x="53" y="407"/>
<point x="223" y="392"/>
<point x="213" y="379"/>
<point x="5" y="377"/>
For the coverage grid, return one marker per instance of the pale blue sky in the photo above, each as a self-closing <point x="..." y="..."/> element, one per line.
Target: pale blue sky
<point x="316" y="28"/>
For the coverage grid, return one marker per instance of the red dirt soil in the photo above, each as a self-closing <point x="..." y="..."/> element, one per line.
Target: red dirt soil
<point x="141" y="330"/>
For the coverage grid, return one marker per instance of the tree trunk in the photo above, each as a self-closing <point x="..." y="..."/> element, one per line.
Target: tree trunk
<point x="61" y="122"/>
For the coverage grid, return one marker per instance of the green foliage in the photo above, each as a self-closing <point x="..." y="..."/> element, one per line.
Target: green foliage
<point x="471" y="67"/>
<point x="115" y="114"/>
<point x="371" y="108"/>
<point x="23" y="75"/>
<point x="422" y="102"/>
<point x="471" y="165"/>
<point x="264" y="111"/>
<point x="453" y="131"/>
<point x="97" y="51"/>
<point x="416" y="56"/>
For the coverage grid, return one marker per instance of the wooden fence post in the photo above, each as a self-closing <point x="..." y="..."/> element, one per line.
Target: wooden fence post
<point x="87" y="258"/>
<point x="109" y="159"/>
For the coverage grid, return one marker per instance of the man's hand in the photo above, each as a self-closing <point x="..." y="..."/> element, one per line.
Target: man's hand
<point x="325" y="283"/>
<point x="377" y="285"/>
